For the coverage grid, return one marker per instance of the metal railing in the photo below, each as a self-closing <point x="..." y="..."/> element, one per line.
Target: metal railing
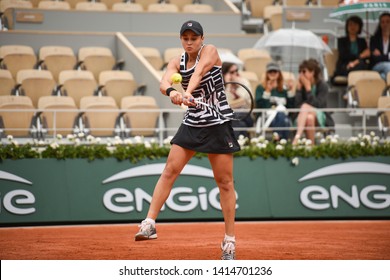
<point x="161" y="130"/>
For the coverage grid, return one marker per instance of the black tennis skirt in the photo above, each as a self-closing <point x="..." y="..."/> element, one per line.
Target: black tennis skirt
<point x="215" y="139"/>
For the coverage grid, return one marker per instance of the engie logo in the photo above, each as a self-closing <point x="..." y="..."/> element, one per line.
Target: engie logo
<point x="181" y="199"/>
<point x="372" y="196"/>
<point x="17" y="201"/>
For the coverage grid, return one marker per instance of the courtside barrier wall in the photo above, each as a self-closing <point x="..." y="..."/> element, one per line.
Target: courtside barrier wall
<point x="34" y="191"/>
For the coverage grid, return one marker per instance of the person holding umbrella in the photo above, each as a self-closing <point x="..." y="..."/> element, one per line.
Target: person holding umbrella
<point x="353" y="51"/>
<point x="380" y="46"/>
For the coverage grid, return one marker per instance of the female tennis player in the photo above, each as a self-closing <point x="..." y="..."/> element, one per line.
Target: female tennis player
<point x="200" y="131"/>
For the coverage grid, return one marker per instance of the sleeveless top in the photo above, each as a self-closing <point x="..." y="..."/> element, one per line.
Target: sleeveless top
<point x="211" y="90"/>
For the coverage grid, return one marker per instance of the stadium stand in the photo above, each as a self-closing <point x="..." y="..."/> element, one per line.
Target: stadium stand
<point x="181" y="3"/>
<point x="163" y="8"/>
<point x="99" y="123"/>
<point x="73" y="3"/>
<point x="91" y="6"/>
<point x="353" y="78"/>
<point x="54" y="5"/>
<point x="56" y="59"/>
<point x="17" y="57"/>
<point x="273" y="17"/>
<point x="35" y="83"/>
<point x="146" y="3"/>
<point x="153" y="56"/>
<point x="197" y="8"/>
<point x="142" y="123"/>
<point x="109" y="3"/>
<point x="77" y="84"/>
<point x="54" y="115"/>
<point x="16" y="123"/>
<point x="96" y="59"/>
<point x="7" y="82"/>
<point x="127" y="7"/>
<point x="254" y="60"/>
<point x="117" y="84"/>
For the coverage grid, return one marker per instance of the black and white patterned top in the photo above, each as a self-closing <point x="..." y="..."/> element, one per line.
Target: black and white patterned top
<point x="212" y="91"/>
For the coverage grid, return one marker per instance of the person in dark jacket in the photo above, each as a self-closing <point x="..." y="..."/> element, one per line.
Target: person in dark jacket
<point x="312" y="92"/>
<point x="353" y="50"/>
<point x="380" y="46"/>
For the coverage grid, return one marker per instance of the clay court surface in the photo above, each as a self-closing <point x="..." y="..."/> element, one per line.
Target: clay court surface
<point x="277" y="240"/>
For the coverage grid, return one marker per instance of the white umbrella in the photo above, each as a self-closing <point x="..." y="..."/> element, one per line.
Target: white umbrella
<point x="290" y="46"/>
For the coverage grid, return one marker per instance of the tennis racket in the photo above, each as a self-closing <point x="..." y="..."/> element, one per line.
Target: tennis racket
<point x="242" y="105"/>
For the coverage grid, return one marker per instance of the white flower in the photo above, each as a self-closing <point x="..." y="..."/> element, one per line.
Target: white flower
<point x="261" y="138"/>
<point x="109" y="144"/>
<point x="295" y="161"/>
<point x="318" y="135"/>
<point x="167" y="141"/>
<point x="283" y="141"/>
<point x="128" y="141"/>
<point x="377" y="139"/>
<point x="59" y="136"/>
<point x="362" y="144"/>
<point x="241" y="141"/>
<point x="90" y="138"/>
<point x="308" y="142"/>
<point x="254" y="140"/>
<point x="334" y="141"/>
<point x="80" y="135"/>
<point x="353" y="139"/>
<point x="54" y="145"/>
<point x="322" y="141"/>
<point x="261" y="145"/>
<point x="70" y="137"/>
<point x="275" y="135"/>
<point x="138" y="139"/>
<point x="98" y="140"/>
<point x="41" y="143"/>
<point x="360" y="135"/>
<point x="77" y="141"/>
<point x="153" y="140"/>
<point x="10" y="138"/>
<point x="372" y="133"/>
<point x="147" y="145"/>
<point x="279" y="147"/>
<point x="16" y="143"/>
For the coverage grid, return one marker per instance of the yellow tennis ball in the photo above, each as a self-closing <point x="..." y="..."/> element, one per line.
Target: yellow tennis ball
<point x="176" y="78"/>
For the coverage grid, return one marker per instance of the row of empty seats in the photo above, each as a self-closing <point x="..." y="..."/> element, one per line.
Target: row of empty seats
<point x="74" y="83"/>
<point x="58" y="58"/>
<point x="115" y="5"/>
<point x="97" y="116"/>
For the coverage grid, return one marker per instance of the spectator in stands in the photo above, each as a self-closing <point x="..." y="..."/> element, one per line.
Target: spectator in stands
<point x="312" y="92"/>
<point x="380" y="46"/>
<point x="235" y="95"/>
<point x="274" y="93"/>
<point x="353" y="51"/>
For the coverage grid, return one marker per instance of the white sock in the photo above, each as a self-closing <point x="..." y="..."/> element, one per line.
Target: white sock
<point x="230" y="238"/>
<point x="150" y="221"/>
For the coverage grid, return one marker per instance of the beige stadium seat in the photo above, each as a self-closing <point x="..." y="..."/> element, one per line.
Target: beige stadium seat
<point x="197" y="8"/>
<point x="77" y="83"/>
<point x="367" y="91"/>
<point x="329" y="3"/>
<point x="181" y="3"/>
<point x="353" y="78"/>
<point x="55" y="117"/>
<point x="330" y="60"/>
<point x="254" y="60"/>
<point x="91" y="6"/>
<point x="54" y="5"/>
<point x="56" y="59"/>
<point x="291" y="3"/>
<point x="6" y="81"/>
<point x="384" y="114"/>
<point x="163" y="8"/>
<point x="35" y="83"/>
<point x="253" y="80"/>
<point x="153" y="56"/>
<point x="146" y="3"/>
<point x="16" y="123"/>
<point x="73" y="3"/>
<point x="256" y="7"/>
<point x="99" y="123"/>
<point x="127" y="7"/>
<point x="96" y="60"/>
<point x="244" y="53"/>
<point x="141" y="123"/>
<point x="117" y="84"/>
<point x="273" y="16"/>
<point x="17" y="57"/>
<point x="110" y="3"/>
<point x="170" y="53"/>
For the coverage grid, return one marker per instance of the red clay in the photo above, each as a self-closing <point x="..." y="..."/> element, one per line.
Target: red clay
<point x="295" y="240"/>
